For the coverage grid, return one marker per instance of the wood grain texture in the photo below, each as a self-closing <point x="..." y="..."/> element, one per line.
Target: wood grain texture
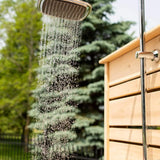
<point x="153" y="81"/>
<point x="131" y="46"/>
<point x="152" y="66"/>
<point x="123" y="101"/>
<point x="135" y="135"/>
<point x="124" y="66"/>
<point x="106" y="112"/>
<point x="122" y="151"/>
<point x="133" y="86"/>
<point x="153" y="108"/>
<point x="127" y="111"/>
<point x="125" y="89"/>
<point x="127" y="135"/>
<point x="153" y="137"/>
<point x="124" y="79"/>
<point x="153" y="153"/>
<point x="127" y="65"/>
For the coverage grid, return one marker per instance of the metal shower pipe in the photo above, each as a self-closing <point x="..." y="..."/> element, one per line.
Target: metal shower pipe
<point x="142" y="68"/>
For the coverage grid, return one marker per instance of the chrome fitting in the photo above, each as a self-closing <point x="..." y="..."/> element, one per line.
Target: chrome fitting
<point x="154" y="56"/>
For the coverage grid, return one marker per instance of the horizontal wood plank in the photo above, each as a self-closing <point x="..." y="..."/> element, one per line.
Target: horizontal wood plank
<point x="153" y="153"/>
<point x="135" y="135"/>
<point x="153" y="108"/>
<point x="127" y="65"/>
<point x="153" y="81"/>
<point x="124" y="79"/>
<point x="132" y="45"/>
<point x="122" y="151"/>
<point x="127" y="111"/>
<point x="125" y="89"/>
<point x="133" y="86"/>
<point x="152" y="45"/>
<point x="127" y="135"/>
<point x="153" y="137"/>
<point x="124" y="67"/>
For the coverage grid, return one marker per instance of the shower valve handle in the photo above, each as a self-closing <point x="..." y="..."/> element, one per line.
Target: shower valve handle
<point x="154" y="56"/>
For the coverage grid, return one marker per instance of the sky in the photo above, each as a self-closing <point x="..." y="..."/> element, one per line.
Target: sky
<point x="129" y="10"/>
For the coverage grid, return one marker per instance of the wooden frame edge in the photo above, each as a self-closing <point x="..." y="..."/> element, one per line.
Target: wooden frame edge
<point x="131" y="45"/>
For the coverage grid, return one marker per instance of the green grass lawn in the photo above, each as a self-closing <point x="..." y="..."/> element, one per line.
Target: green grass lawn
<point x="15" y="151"/>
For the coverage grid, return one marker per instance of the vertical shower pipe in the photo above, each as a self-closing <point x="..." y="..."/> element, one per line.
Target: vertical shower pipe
<point x="142" y="67"/>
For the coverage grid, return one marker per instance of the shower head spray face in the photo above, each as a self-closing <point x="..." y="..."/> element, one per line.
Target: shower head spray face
<point x="67" y="9"/>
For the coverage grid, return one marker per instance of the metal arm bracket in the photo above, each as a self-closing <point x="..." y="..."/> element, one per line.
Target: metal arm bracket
<point x="154" y="56"/>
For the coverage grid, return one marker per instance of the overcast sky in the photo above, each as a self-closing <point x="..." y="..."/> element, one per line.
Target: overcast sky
<point x="129" y="10"/>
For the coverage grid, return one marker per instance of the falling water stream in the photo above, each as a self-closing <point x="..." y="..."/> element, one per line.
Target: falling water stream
<point x="57" y="79"/>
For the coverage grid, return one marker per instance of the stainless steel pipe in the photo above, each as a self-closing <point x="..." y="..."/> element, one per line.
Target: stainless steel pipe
<point x="143" y="89"/>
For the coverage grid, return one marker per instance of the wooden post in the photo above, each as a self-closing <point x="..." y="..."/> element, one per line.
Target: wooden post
<point x="106" y="112"/>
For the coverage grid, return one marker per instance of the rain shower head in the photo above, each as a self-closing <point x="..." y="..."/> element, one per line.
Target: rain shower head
<point x="67" y="9"/>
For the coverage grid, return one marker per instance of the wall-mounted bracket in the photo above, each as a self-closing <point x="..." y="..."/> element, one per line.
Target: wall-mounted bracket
<point x="154" y="56"/>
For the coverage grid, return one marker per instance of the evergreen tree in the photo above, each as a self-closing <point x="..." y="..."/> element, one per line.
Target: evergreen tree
<point x="100" y="37"/>
<point x="20" y="26"/>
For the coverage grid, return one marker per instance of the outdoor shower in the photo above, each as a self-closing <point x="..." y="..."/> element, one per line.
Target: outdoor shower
<point x="57" y="75"/>
<point x="67" y="9"/>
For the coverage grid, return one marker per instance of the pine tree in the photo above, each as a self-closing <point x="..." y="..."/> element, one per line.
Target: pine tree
<point x="100" y="37"/>
<point x="55" y="110"/>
